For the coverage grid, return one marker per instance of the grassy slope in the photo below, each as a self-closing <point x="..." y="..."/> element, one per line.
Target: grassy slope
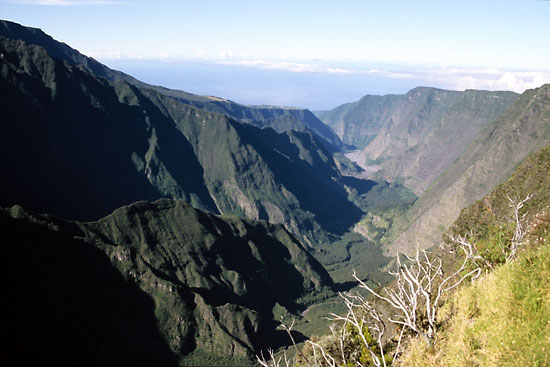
<point x="491" y="219"/>
<point x="501" y="320"/>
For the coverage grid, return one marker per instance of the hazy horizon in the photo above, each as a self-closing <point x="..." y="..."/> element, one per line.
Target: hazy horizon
<point x="313" y="54"/>
<point x="256" y="86"/>
<point x="282" y="87"/>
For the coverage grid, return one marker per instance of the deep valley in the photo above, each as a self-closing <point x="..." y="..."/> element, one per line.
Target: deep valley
<point x="149" y="226"/>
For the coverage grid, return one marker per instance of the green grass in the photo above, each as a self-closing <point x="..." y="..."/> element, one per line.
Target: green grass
<point x="490" y="222"/>
<point x="501" y="320"/>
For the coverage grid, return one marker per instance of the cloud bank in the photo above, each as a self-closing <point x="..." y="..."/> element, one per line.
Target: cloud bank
<point x="490" y="79"/>
<point x="450" y="78"/>
<point x="442" y="77"/>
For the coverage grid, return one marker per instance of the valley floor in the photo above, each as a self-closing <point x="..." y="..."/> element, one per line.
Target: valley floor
<point x="358" y="158"/>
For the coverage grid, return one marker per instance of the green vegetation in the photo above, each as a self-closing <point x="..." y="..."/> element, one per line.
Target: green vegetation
<point x="354" y="350"/>
<point x="279" y="118"/>
<point x="490" y="222"/>
<point x="154" y="146"/>
<point x="209" y="286"/>
<point x="169" y="282"/>
<point x="501" y="320"/>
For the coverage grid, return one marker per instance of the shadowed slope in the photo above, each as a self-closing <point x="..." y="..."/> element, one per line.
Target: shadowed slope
<point x="75" y="139"/>
<point x="67" y="304"/>
<point x="79" y="146"/>
<point x="186" y="283"/>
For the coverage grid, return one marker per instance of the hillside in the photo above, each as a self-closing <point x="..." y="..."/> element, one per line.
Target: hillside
<point x="499" y="315"/>
<point x="152" y="283"/>
<point x="502" y="319"/>
<point x="71" y="138"/>
<point x="489" y="160"/>
<point x="492" y="214"/>
<point x="413" y="138"/>
<point x="192" y="223"/>
<point x="153" y="146"/>
<point x="264" y="175"/>
<point x="279" y="118"/>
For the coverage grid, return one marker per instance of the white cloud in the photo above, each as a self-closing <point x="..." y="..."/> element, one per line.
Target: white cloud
<point x="490" y="79"/>
<point x="450" y="78"/>
<point x="444" y="77"/>
<point x="392" y="74"/>
<point x="118" y="56"/>
<point x="316" y="68"/>
<point x="289" y="66"/>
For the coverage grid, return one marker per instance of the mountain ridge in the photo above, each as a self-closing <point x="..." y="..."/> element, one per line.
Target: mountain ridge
<point x="416" y="136"/>
<point x="153" y="146"/>
<point x="185" y="264"/>
<point x="488" y="161"/>
<point x="113" y="151"/>
<point x="281" y="119"/>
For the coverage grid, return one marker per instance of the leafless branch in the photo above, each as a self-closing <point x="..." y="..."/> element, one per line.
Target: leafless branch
<point x="275" y="362"/>
<point x="418" y="289"/>
<point x="327" y="357"/>
<point x="359" y="309"/>
<point x="517" y="239"/>
<point x="471" y="252"/>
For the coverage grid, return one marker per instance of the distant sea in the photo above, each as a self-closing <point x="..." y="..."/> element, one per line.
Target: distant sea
<point x="254" y="86"/>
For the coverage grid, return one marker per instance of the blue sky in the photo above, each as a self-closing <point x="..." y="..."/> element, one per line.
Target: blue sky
<point x="388" y="46"/>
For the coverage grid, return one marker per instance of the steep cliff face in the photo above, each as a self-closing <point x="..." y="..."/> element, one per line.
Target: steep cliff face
<point x="417" y="136"/>
<point x="490" y="159"/>
<point x="279" y="118"/>
<point x="71" y="138"/>
<point x="160" y="278"/>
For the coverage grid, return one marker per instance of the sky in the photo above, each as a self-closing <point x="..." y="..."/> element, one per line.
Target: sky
<point x="314" y="54"/>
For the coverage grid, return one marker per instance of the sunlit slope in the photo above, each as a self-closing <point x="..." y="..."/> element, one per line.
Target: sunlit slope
<point x="415" y="137"/>
<point x="523" y="129"/>
<point x="501" y="319"/>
